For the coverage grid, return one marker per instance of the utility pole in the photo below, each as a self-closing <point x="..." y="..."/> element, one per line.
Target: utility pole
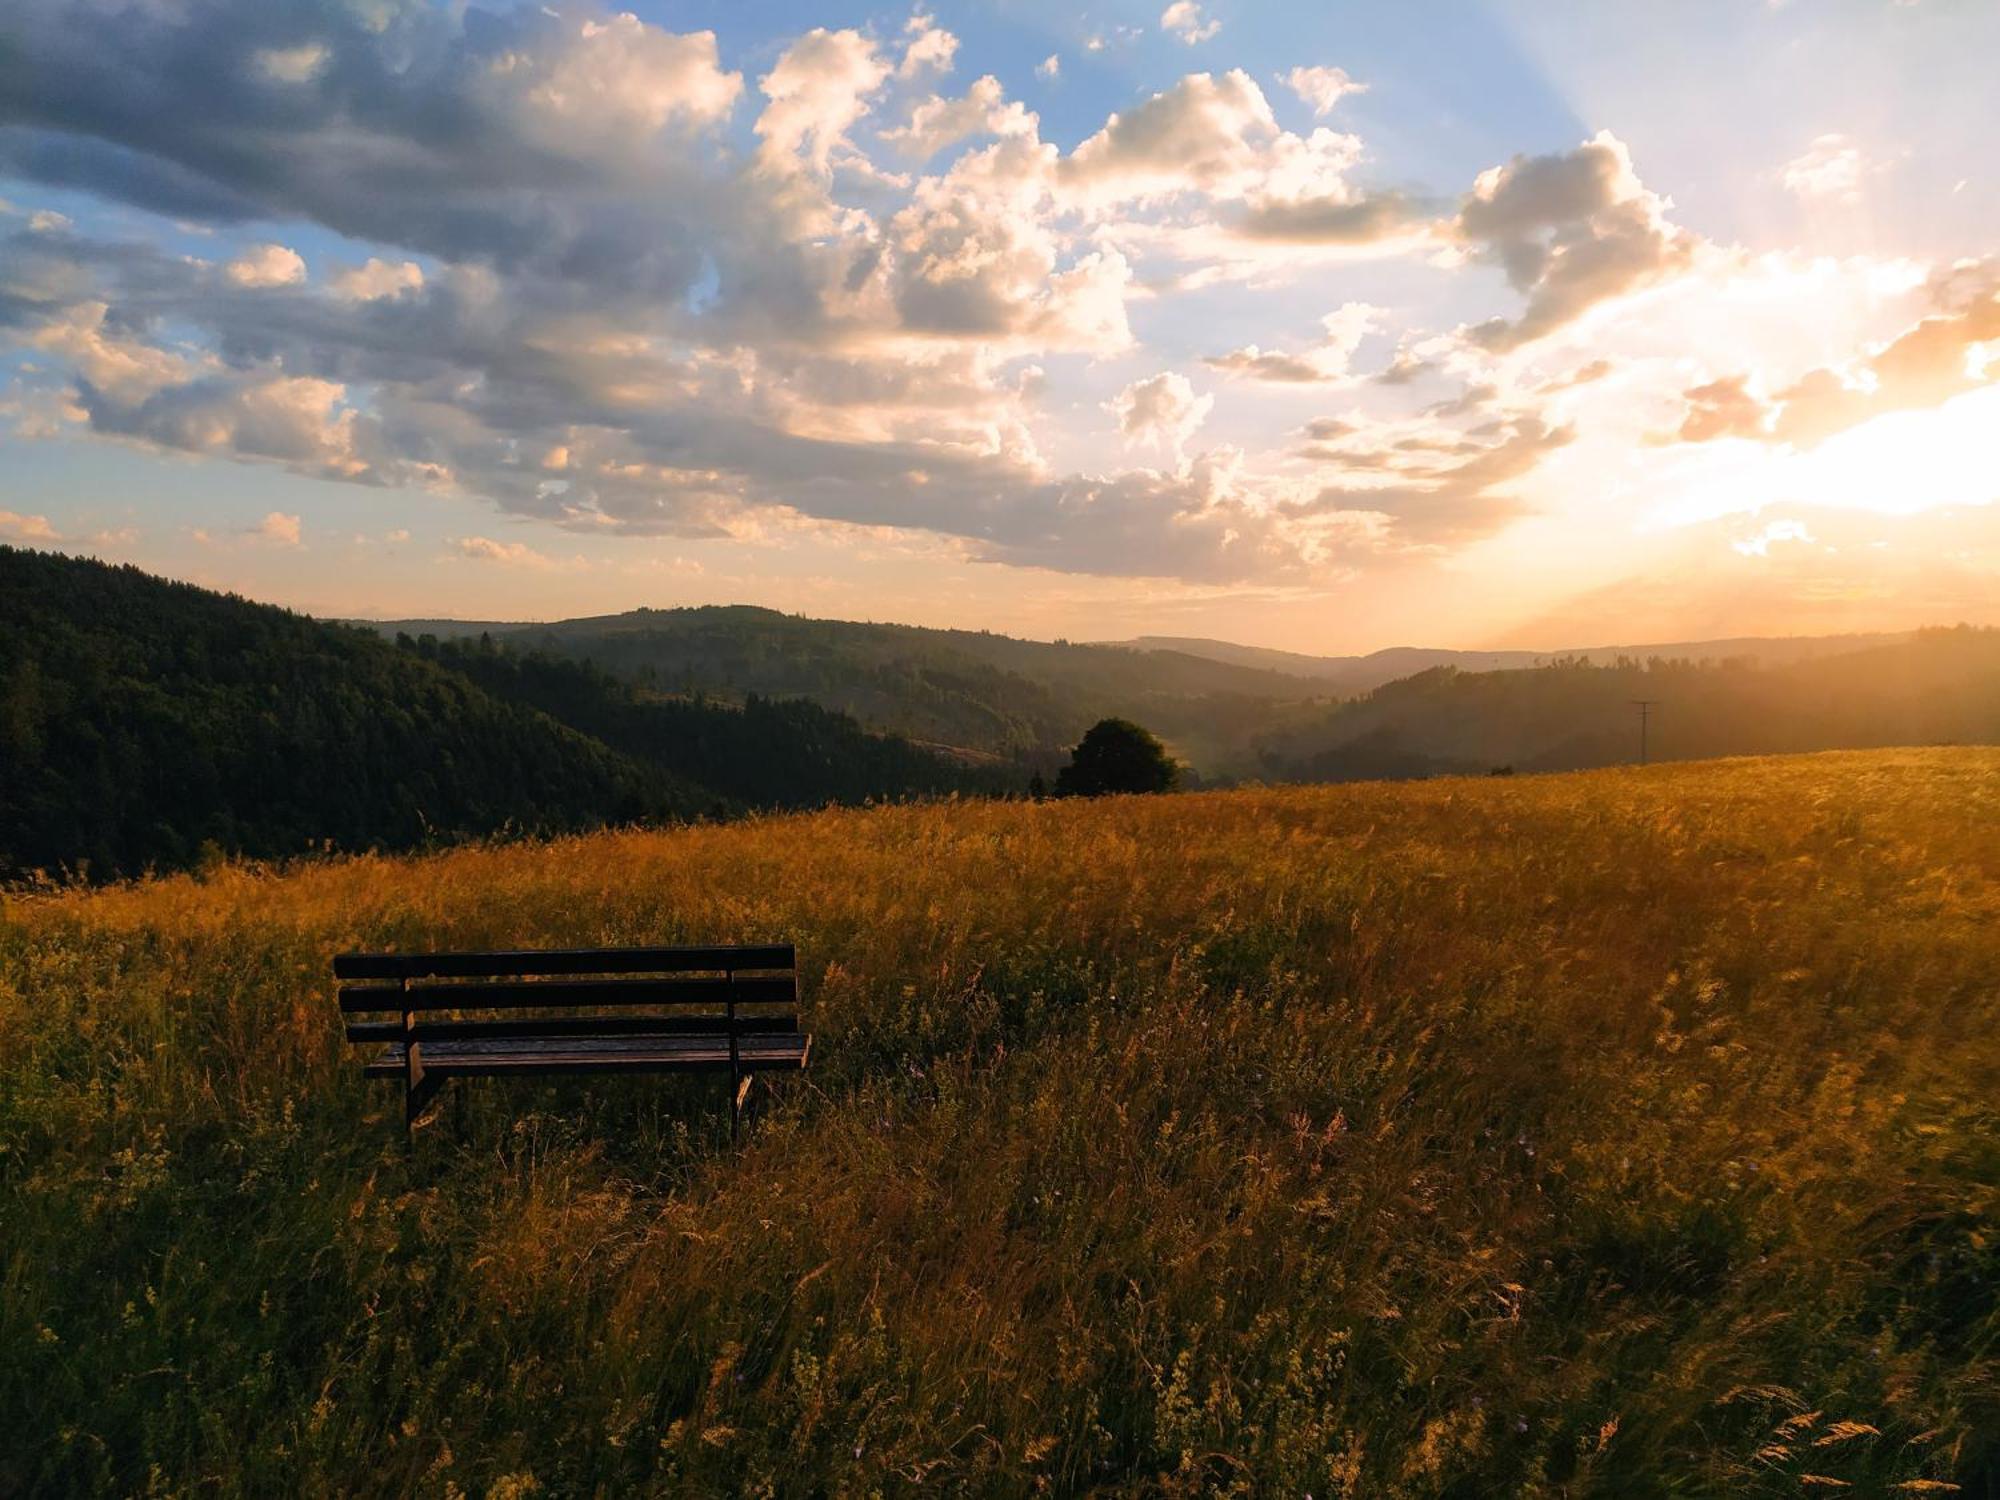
<point x="1645" y="707"/>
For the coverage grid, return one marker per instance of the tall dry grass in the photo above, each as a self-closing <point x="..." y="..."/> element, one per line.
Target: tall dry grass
<point x="1628" y="1133"/>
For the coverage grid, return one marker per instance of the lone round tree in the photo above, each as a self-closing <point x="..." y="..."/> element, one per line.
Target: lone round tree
<point x="1117" y="756"/>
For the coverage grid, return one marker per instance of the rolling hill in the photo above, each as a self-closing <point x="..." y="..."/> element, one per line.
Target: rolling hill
<point x="145" y="723"/>
<point x="1353" y="675"/>
<point x="1229" y="711"/>
<point x="962" y="688"/>
<point x="1938" y="686"/>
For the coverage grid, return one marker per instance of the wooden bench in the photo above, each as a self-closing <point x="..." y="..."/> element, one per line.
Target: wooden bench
<point x="727" y="1010"/>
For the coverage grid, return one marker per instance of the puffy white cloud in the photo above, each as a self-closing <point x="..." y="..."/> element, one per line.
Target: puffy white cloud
<point x="279" y="527"/>
<point x="506" y="554"/>
<point x="1162" y="412"/>
<point x="16" y="527"/>
<point x="1049" y="67"/>
<point x="1570" y="230"/>
<point x="125" y="368"/>
<point x="817" y="90"/>
<point x="975" y="257"/>
<point x="1831" y="170"/>
<point x="266" y="265"/>
<point x="1185" y="20"/>
<point x="1321" y="87"/>
<point x="375" y="279"/>
<point x="295" y="420"/>
<point x="1204" y="134"/>
<point x="937" y="122"/>
<point x="601" y="86"/>
<point x="930" y="47"/>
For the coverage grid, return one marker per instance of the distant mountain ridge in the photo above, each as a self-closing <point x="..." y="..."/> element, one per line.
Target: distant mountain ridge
<point x="1937" y="686"/>
<point x="1361" y="674"/>
<point x="1216" y="703"/>
<point x="971" y="690"/>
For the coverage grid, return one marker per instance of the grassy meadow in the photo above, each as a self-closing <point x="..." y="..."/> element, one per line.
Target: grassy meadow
<point x="1623" y="1133"/>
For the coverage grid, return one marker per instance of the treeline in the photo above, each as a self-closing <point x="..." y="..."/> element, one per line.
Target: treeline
<point x="1939" y="687"/>
<point x="767" y="753"/>
<point x="982" y="692"/>
<point x="146" y="724"/>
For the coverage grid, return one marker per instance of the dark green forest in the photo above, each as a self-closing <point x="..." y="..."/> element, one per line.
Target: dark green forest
<point x="146" y="724"/>
<point x="970" y="689"/>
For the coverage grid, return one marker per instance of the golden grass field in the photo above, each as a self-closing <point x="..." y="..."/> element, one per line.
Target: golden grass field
<point x="1625" y="1133"/>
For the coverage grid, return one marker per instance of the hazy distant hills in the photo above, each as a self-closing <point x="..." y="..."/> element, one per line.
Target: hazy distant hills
<point x="1228" y="710"/>
<point x="1932" y="687"/>
<point x="1348" y="675"/>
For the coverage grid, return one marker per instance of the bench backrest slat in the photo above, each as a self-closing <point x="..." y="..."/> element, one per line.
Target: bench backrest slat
<point x="499" y="995"/>
<point x="559" y="1026"/>
<point x="562" y="961"/>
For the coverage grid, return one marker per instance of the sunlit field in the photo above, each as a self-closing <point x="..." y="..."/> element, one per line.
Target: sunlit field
<point x="1623" y="1133"/>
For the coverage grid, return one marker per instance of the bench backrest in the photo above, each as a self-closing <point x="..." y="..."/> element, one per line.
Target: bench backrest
<point x="711" y="984"/>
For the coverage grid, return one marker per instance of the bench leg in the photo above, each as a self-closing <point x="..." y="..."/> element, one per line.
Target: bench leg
<point x="417" y="1097"/>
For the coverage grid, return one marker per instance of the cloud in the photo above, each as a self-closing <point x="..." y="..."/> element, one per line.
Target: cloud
<point x="287" y="419"/>
<point x="19" y="528"/>
<point x="266" y="265"/>
<point x="1200" y="135"/>
<point x="1184" y="19"/>
<point x="505" y="554"/>
<point x="930" y="47"/>
<point x="937" y="122"/>
<point x="1571" y="230"/>
<point x="817" y="91"/>
<point x="298" y="64"/>
<point x="1437" y="486"/>
<point x="375" y="279"/>
<point x="1049" y="67"/>
<point x="578" y="241"/>
<point x="280" y="528"/>
<point x="1830" y="170"/>
<point x="598" y="85"/>
<point x="1328" y="360"/>
<point x="1760" y="544"/>
<point x="1937" y="358"/>
<point x="1321" y="87"/>
<point x="1162" y="411"/>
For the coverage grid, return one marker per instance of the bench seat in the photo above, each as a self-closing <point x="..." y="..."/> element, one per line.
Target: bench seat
<point x="491" y="1057"/>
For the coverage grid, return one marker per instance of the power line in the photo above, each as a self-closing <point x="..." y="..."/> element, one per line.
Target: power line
<point x="1645" y="707"/>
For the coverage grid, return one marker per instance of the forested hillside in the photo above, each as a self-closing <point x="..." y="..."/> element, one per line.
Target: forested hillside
<point x="968" y="689"/>
<point x="775" y="753"/>
<point x="144" y="722"/>
<point x="1938" y="687"/>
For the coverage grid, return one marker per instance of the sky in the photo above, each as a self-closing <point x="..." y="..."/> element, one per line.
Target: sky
<point x="1324" y="327"/>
